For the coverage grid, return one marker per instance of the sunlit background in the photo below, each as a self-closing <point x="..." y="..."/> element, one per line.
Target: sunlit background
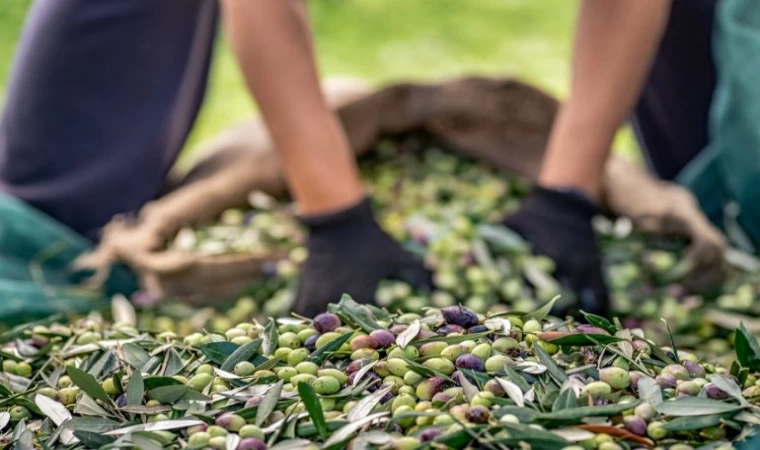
<point x="389" y="40"/>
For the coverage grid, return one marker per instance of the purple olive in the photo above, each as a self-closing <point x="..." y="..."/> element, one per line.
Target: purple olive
<point x="440" y="399"/>
<point x="714" y="392"/>
<point x="429" y="434"/>
<point x="635" y="425"/>
<point x="354" y="366"/>
<point x="459" y="315"/>
<point x="426" y="334"/>
<point x="121" y="401"/>
<point x="695" y="369"/>
<point x="326" y="322"/>
<point x="470" y="361"/>
<point x="666" y="380"/>
<point x="477" y="329"/>
<point x="448" y="329"/>
<point x="254" y="401"/>
<point x="396" y="428"/>
<point x="252" y="444"/>
<point x="386" y="398"/>
<point x="368" y="376"/>
<point x="311" y="342"/>
<point x="384" y="338"/>
<point x="495" y="388"/>
<point x="230" y="421"/>
<point x="477" y="414"/>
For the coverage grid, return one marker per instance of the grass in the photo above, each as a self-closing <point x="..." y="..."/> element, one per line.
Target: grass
<point x="387" y="40"/>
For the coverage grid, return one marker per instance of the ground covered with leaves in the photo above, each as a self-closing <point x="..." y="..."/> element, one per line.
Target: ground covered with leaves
<point x="360" y="377"/>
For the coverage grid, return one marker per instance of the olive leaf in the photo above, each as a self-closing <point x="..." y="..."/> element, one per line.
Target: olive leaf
<point x="582" y="339"/>
<point x="541" y="313"/>
<point x="58" y="413"/>
<point x="268" y="403"/>
<point x="551" y="366"/>
<point x="311" y="402"/>
<point x="649" y="391"/>
<point x="355" y="313"/>
<point x="577" y="415"/>
<point x="25" y="441"/>
<point x="270" y="338"/>
<point x="513" y="391"/>
<point x="697" y="423"/>
<point x="86" y="406"/>
<point x="93" y="440"/>
<point x="730" y="387"/>
<point x="139" y="409"/>
<point x="747" y="348"/>
<point x="363" y="371"/>
<point x="293" y="444"/>
<point x="565" y="400"/>
<point x="364" y="407"/>
<point x="156" y="382"/>
<point x="349" y="429"/>
<point x="87" y="383"/>
<point x="518" y="379"/>
<point x="672" y="341"/>
<point x="600" y="322"/>
<point x="371" y="440"/>
<point x="144" y="442"/>
<point x="218" y="352"/>
<point x="168" y="394"/>
<point x="135" y="356"/>
<point x="233" y="440"/>
<point x="322" y="353"/>
<point x="536" y="439"/>
<point x="174" y="363"/>
<point x="165" y="425"/>
<point x="498" y="324"/>
<point x="5" y="418"/>
<point x="470" y="390"/>
<point x="695" y="406"/>
<point x="405" y="337"/>
<point x="245" y="352"/>
<point x="573" y="434"/>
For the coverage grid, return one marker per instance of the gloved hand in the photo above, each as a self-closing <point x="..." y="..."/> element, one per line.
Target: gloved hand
<point x="558" y="225"/>
<point x="349" y="253"/>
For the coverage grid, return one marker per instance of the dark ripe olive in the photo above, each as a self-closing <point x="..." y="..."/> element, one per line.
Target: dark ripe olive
<point x="459" y="315"/>
<point x="326" y="322"/>
<point x="311" y="342"/>
<point x="383" y="338"/>
<point x="472" y="362"/>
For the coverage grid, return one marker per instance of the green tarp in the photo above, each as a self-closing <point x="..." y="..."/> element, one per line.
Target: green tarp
<point x="36" y="279"/>
<point x="726" y="175"/>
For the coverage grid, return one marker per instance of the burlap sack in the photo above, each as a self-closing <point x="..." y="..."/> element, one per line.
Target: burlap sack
<point x="501" y="121"/>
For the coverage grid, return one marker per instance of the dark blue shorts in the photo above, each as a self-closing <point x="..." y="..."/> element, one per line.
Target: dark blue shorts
<point x="103" y="94"/>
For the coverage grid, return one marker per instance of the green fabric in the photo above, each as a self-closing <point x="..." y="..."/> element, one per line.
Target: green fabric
<point x="728" y="170"/>
<point x="35" y="275"/>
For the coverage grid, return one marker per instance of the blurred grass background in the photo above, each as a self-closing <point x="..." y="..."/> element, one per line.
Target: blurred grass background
<point x="388" y="40"/>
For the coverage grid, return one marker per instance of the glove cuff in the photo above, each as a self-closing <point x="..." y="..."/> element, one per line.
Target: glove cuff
<point x="572" y="201"/>
<point x="359" y="214"/>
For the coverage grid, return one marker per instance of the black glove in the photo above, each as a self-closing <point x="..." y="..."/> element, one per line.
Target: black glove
<point x="349" y="253"/>
<point x="558" y="225"/>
